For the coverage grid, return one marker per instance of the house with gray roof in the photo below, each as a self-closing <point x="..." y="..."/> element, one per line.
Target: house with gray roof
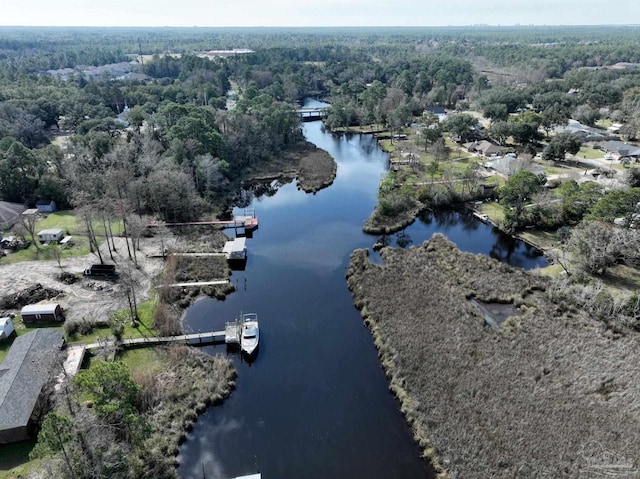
<point x="485" y="148"/>
<point x="28" y="367"/>
<point x="585" y="133"/>
<point x="618" y="150"/>
<point x="9" y="214"/>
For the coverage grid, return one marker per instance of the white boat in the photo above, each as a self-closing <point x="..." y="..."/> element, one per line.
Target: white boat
<point x="250" y="333"/>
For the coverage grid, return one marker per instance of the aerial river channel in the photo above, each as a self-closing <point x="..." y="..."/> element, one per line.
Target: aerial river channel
<point x="315" y="403"/>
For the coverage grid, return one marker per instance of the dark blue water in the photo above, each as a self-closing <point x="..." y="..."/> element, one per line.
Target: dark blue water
<point x="315" y="402"/>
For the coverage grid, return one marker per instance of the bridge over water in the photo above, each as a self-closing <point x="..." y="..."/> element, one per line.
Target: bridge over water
<point x="312" y="114"/>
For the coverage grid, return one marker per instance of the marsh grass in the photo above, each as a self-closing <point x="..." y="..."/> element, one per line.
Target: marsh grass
<point x="521" y="401"/>
<point x="188" y="382"/>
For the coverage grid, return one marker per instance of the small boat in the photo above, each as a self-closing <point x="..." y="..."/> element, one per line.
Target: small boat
<point x="250" y="333"/>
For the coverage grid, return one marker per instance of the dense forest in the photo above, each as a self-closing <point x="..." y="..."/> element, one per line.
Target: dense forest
<point x="162" y="139"/>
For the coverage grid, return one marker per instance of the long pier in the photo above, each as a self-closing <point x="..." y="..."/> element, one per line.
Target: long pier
<point x="248" y="221"/>
<point x="76" y="352"/>
<point x="210" y="337"/>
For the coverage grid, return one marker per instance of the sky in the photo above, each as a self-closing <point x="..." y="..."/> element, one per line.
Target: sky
<point x="269" y="13"/>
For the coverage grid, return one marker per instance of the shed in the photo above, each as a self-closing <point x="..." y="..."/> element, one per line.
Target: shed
<point x="39" y="313"/>
<point x="46" y="206"/>
<point x="235" y="249"/>
<point x="46" y="236"/>
<point x="6" y="327"/>
<point x="29" y="365"/>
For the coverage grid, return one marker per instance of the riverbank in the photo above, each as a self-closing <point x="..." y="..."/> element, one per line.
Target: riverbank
<point x="189" y="382"/>
<point x="313" y="167"/>
<point x="379" y="224"/>
<point x="538" y="396"/>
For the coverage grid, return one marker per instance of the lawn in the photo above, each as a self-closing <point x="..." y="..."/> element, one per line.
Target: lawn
<point x="145" y="325"/>
<point x="14" y="459"/>
<point x="143" y="360"/>
<point x="48" y="252"/>
<point x="66" y="221"/>
<point x="493" y="210"/>
<point x="622" y="279"/>
<point x="589" y="153"/>
<point x="544" y="240"/>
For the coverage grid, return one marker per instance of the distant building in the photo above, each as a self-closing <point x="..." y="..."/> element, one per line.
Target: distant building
<point x="30" y="364"/>
<point x="9" y="214"/>
<point x="585" y="133"/>
<point x="438" y="111"/>
<point x="485" y="148"/>
<point x="46" y="206"/>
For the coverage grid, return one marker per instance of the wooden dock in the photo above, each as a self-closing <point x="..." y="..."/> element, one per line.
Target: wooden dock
<point x="198" y="283"/>
<point x="211" y="337"/>
<point x="248" y="221"/>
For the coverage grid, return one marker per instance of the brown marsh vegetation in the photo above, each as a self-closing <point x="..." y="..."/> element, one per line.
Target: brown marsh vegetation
<point x="552" y="393"/>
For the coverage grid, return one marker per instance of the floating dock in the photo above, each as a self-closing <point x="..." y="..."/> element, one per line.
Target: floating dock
<point x="232" y="332"/>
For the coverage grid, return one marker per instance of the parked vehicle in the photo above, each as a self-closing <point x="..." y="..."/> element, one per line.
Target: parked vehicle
<point x="6" y="328"/>
<point x="101" y="270"/>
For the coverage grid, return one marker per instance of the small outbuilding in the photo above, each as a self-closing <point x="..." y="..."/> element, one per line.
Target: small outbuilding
<point x="46" y="206"/>
<point x="6" y="328"/>
<point x="236" y="249"/>
<point x="41" y="313"/>
<point x="51" y="235"/>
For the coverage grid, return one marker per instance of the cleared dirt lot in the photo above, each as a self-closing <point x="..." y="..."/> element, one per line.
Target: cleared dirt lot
<point x="87" y="298"/>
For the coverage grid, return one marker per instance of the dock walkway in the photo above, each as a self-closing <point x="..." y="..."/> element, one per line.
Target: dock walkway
<point x="210" y="337"/>
<point x="199" y="283"/>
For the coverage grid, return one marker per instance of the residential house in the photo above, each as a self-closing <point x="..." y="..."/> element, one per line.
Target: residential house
<point x="30" y="364"/>
<point x="9" y="214"/>
<point x="438" y="111"/>
<point x="585" y="133"/>
<point x="510" y="165"/>
<point x="485" y="148"/>
<point x="617" y="150"/>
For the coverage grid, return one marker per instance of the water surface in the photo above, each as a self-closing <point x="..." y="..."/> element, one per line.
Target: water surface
<point x="315" y="402"/>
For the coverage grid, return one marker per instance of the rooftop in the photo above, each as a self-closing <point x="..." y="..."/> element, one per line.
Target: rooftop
<point x="24" y="372"/>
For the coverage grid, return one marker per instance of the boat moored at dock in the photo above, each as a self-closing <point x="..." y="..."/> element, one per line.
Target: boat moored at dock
<point x="250" y="335"/>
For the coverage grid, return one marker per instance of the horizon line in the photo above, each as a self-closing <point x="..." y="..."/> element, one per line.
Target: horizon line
<point x="470" y="25"/>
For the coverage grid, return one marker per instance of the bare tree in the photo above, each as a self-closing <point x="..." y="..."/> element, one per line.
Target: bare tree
<point x="27" y="224"/>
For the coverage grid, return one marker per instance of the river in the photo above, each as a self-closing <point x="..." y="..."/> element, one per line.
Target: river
<point x="315" y="402"/>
